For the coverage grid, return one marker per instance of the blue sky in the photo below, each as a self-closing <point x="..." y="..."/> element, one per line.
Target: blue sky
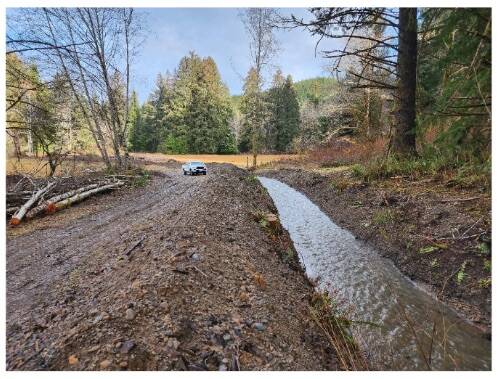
<point x="219" y="33"/>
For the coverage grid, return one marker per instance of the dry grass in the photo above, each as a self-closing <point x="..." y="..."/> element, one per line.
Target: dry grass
<point x="38" y="167"/>
<point x="345" y="151"/>
<point x="239" y="160"/>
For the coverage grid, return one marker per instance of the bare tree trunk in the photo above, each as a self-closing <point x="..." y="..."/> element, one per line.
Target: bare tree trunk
<point x="30" y="142"/>
<point x="368" y="111"/>
<point x="95" y="28"/>
<point x="95" y="133"/>
<point x="18" y="216"/>
<point x="17" y="144"/>
<point x="404" y="138"/>
<point x="127" y="24"/>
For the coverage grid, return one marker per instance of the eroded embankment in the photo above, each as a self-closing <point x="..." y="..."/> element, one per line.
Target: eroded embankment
<point x="206" y="287"/>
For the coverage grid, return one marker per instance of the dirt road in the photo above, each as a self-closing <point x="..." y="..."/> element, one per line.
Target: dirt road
<point x="204" y="289"/>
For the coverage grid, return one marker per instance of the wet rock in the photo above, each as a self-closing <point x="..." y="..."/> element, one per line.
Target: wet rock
<point x="105" y="364"/>
<point x="196" y="257"/>
<point x="216" y="329"/>
<point x="259" y="326"/>
<point x="173" y="343"/>
<point x="127" y="346"/>
<point x="130" y="314"/>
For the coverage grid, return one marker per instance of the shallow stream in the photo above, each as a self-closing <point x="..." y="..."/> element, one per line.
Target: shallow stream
<point x="377" y="292"/>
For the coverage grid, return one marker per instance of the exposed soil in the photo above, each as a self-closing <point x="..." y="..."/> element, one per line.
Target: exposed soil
<point x="431" y="232"/>
<point x="203" y="288"/>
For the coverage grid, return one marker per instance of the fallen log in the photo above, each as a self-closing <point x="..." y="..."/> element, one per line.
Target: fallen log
<point x="81" y="196"/>
<point x="48" y="205"/>
<point x="18" y="216"/>
<point x="11" y="210"/>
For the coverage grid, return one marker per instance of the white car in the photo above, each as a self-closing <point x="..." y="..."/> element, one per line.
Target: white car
<point x="194" y="168"/>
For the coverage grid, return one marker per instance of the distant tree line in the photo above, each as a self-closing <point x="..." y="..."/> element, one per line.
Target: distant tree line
<point x="68" y="87"/>
<point x="191" y="111"/>
<point x="188" y="112"/>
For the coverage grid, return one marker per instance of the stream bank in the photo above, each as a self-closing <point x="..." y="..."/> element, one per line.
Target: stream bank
<point x="432" y="233"/>
<point x="400" y="325"/>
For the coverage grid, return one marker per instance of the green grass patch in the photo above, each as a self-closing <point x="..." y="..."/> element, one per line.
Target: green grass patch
<point x="487" y="265"/>
<point x="383" y="217"/>
<point x="464" y="175"/>
<point x="461" y="274"/>
<point x="142" y="179"/>
<point x="485" y="283"/>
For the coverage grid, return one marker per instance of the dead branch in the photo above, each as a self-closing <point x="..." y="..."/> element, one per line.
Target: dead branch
<point x="133" y="247"/>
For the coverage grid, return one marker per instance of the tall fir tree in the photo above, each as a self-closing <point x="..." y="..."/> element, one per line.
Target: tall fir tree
<point x="200" y="109"/>
<point x="284" y="119"/>
<point x="254" y="112"/>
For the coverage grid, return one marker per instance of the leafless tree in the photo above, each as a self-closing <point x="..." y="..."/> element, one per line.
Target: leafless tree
<point x="259" y="24"/>
<point x="92" y="47"/>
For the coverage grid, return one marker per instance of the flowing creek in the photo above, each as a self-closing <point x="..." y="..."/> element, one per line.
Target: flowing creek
<point x="377" y="292"/>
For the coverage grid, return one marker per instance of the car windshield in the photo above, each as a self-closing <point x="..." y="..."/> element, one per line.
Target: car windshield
<point x="196" y="163"/>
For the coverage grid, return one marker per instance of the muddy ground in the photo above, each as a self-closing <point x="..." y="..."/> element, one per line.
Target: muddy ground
<point x="204" y="287"/>
<point x="437" y="235"/>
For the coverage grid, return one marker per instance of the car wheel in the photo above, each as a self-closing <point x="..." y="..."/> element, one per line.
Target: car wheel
<point x="184" y="172"/>
<point x="205" y="173"/>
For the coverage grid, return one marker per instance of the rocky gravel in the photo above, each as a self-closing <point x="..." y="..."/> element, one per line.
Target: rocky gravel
<point x="205" y="289"/>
